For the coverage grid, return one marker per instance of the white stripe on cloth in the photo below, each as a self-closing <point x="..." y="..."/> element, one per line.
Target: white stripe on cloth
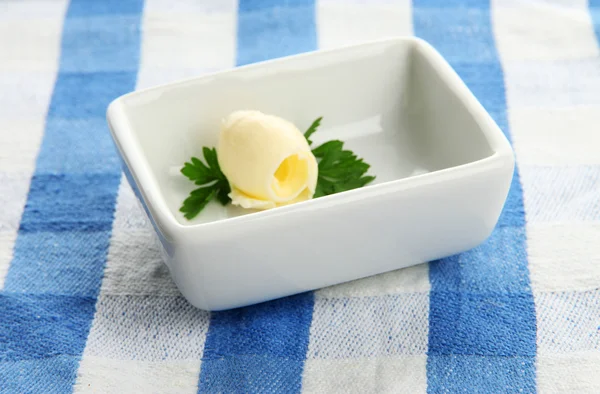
<point x="186" y="39"/>
<point x="551" y="58"/>
<point x="30" y="33"/>
<point x="367" y="335"/>
<point x="347" y="328"/>
<point x="377" y="375"/>
<point x="543" y="30"/>
<point x="29" y="53"/>
<point x="413" y="279"/>
<point x="561" y="194"/>
<point x="549" y="54"/>
<point x="368" y="344"/>
<point x="543" y="45"/>
<point x="349" y="22"/>
<point x="553" y="84"/>
<point x="568" y="342"/>
<point x="564" y="256"/>
<point x="560" y="373"/>
<point x="105" y="375"/>
<point x="145" y="337"/>
<point x="568" y="322"/>
<point x="557" y="137"/>
<point x="147" y="328"/>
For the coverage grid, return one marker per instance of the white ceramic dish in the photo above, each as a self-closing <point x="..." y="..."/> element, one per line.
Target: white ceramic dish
<point x="443" y="170"/>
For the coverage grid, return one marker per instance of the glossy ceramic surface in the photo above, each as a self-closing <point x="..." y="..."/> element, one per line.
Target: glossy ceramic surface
<point x="443" y="170"/>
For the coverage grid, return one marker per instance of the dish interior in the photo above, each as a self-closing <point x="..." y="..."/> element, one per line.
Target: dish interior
<point x="387" y="101"/>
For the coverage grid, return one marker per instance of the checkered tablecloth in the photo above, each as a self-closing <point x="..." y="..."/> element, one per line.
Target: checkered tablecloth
<point x="86" y="304"/>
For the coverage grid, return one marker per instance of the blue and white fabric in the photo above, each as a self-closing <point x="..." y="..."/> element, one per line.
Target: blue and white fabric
<point x="86" y="304"/>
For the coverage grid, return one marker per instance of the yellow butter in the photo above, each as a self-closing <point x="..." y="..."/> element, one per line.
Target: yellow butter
<point x="266" y="159"/>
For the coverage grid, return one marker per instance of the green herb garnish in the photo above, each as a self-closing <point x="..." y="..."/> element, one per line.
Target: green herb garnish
<point x="212" y="181"/>
<point x="313" y="127"/>
<point x="339" y="171"/>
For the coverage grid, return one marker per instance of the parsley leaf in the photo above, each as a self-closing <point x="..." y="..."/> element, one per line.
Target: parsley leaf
<point x="212" y="181"/>
<point x="197" y="172"/>
<point x="313" y="127"/>
<point x="210" y="155"/>
<point x="196" y="201"/>
<point x="339" y="170"/>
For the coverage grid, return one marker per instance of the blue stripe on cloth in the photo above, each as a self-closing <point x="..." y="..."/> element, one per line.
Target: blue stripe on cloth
<point x="47" y="375"/>
<point x="263" y="347"/>
<point x="54" y="278"/>
<point x="58" y="328"/>
<point x="258" y="348"/>
<point x="594" y="9"/>
<point x="482" y="323"/>
<point x="269" y="29"/>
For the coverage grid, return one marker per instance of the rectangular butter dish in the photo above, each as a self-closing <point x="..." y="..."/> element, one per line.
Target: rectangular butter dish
<point x="443" y="170"/>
